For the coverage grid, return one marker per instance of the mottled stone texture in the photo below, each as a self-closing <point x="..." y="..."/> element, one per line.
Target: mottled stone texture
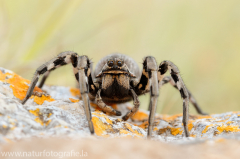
<point x="57" y="111"/>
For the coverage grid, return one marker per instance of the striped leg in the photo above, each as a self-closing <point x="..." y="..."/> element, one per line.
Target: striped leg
<point x="149" y="83"/>
<point x="45" y="76"/>
<point x="167" y="65"/>
<point x="168" y="79"/>
<point x="62" y="59"/>
<point x="83" y="74"/>
<point x="150" y="67"/>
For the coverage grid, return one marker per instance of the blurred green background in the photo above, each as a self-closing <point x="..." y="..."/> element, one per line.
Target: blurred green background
<point x="201" y="37"/>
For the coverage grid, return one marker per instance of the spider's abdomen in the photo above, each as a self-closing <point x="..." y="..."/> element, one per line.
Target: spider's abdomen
<point x="115" y="88"/>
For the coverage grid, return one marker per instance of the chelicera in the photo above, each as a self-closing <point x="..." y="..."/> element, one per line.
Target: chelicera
<point x="118" y="79"/>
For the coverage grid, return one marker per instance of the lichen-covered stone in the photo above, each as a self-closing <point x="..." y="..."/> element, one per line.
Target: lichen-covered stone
<point x="58" y="111"/>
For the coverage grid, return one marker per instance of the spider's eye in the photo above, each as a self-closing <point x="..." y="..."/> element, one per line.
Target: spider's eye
<point x="119" y="63"/>
<point x="110" y="63"/>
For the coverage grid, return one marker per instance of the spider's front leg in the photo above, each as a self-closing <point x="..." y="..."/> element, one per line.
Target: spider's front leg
<point x="85" y="80"/>
<point x="62" y="59"/>
<point x="150" y="71"/>
<point x="136" y="104"/>
<point x="105" y="107"/>
<point x="168" y="65"/>
<point x="81" y="69"/>
<point x="149" y="83"/>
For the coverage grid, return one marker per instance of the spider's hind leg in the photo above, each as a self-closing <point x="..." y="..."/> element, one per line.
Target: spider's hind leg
<point x="45" y="76"/>
<point x="175" y="74"/>
<point x="168" y="79"/>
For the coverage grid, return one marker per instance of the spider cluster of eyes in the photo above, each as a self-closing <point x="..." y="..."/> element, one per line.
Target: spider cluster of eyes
<point x="111" y="63"/>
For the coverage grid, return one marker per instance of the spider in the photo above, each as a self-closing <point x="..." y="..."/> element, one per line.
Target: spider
<point x="118" y="79"/>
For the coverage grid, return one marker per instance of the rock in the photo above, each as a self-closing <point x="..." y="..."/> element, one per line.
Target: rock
<point x="46" y="116"/>
<point x="57" y="111"/>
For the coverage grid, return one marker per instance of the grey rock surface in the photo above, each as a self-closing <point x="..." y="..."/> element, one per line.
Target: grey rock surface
<point x="61" y="114"/>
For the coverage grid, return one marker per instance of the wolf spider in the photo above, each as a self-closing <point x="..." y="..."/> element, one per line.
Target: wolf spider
<point x="118" y="79"/>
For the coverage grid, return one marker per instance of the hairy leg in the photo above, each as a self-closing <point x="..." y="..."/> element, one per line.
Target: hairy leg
<point x="168" y="79"/>
<point x="105" y="107"/>
<point x="62" y="59"/>
<point x="83" y="74"/>
<point x="175" y="74"/>
<point x="136" y="104"/>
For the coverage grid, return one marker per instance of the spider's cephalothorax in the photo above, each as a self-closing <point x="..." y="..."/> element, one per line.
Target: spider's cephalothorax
<point x="115" y="74"/>
<point x="117" y="79"/>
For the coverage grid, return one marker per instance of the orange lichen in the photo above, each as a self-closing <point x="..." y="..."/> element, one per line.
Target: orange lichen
<point x="123" y="131"/>
<point x="228" y="128"/>
<point x="19" y="87"/>
<point x="4" y="126"/>
<point x="139" y="116"/>
<point x="3" y="76"/>
<point x="174" y="131"/>
<point x="49" y="115"/>
<point x="7" y="140"/>
<point x="206" y="128"/>
<point x="19" y="91"/>
<point x="12" y="123"/>
<point x="97" y="113"/>
<point x="161" y="131"/>
<point x="74" y="100"/>
<point x="169" y="118"/>
<point x="144" y="125"/>
<point x="46" y="123"/>
<point x="190" y="126"/>
<point x="203" y="117"/>
<point x="100" y="127"/>
<point x="191" y="135"/>
<point x="229" y="122"/>
<point x="128" y="126"/>
<point x="38" y="120"/>
<point x="75" y="92"/>
<point x="35" y="112"/>
<point x="40" y="100"/>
